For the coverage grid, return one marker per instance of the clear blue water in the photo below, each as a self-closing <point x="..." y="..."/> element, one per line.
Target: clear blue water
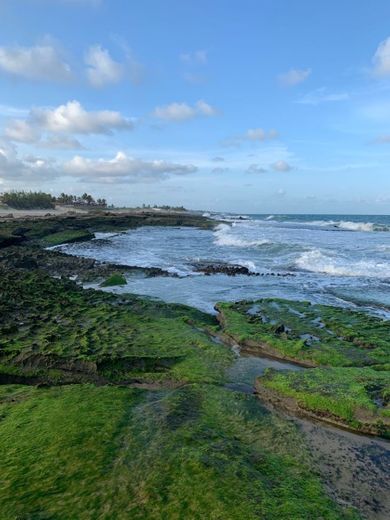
<point x="334" y="259"/>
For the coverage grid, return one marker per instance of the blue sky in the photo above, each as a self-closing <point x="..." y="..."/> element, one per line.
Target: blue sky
<point x="251" y="106"/>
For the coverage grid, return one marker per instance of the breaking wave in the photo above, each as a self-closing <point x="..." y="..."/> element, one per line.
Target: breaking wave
<point x="223" y="237"/>
<point x="348" y="225"/>
<point x="317" y="262"/>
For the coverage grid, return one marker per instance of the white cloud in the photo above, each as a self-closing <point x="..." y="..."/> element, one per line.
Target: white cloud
<point x="73" y="118"/>
<point x="294" y="77"/>
<point x="19" y="130"/>
<point x="101" y="68"/>
<point x="123" y="167"/>
<point x="199" y="56"/>
<point x="322" y="95"/>
<point x="30" y="168"/>
<point x="281" y="166"/>
<point x="256" y="168"/>
<point x="218" y="159"/>
<point x="66" y="119"/>
<point x="40" y="62"/>
<point x="381" y="59"/>
<point x="183" y="111"/>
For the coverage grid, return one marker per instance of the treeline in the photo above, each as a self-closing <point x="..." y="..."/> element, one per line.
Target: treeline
<point x="166" y="207"/>
<point x="84" y="199"/>
<point x="28" y="200"/>
<point x="41" y="200"/>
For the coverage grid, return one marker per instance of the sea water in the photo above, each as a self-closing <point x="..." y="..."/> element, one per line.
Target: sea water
<point x="339" y="260"/>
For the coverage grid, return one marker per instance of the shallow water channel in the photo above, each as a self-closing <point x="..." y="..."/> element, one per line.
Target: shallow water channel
<point x="355" y="468"/>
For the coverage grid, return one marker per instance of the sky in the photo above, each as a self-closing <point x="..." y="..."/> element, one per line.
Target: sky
<point x="251" y="106"/>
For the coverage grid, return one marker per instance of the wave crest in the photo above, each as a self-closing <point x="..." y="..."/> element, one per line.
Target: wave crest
<point x="224" y="238"/>
<point x="317" y="262"/>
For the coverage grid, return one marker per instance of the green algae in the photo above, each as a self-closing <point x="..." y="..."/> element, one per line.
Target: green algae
<point x="57" y="325"/>
<point x="68" y="236"/>
<point x="312" y="334"/>
<point x="113" y="280"/>
<point x="110" y="452"/>
<point x="357" y="397"/>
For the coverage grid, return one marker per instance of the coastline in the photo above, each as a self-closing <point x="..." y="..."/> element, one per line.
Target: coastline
<point x="160" y="326"/>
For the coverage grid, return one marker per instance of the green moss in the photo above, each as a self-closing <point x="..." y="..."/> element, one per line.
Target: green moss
<point x="54" y="324"/>
<point x="317" y="334"/>
<point x="359" y="397"/>
<point x="108" y="452"/>
<point x="113" y="280"/>
<point x="62" y="237"/>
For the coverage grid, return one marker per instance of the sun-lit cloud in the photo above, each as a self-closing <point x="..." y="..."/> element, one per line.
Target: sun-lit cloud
<point x="39" y="62"/>
<point x="124" y="167"/>
<point x="70" y="118"/>
<point x="381" y="59"/>
<point x="293" y="77"/>
<point x="101" y="68"/>
<point x="183" y="111"/>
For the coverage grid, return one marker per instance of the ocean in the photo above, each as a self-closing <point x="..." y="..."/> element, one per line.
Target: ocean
<point x="331" y="259"/>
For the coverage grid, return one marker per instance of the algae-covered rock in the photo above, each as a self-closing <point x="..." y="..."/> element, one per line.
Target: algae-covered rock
<point x="113" y="280"/>
<point x="312" y="335"/>
<point x="357" y="398"/>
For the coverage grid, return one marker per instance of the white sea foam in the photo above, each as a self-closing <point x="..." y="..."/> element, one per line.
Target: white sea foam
<point x="346" y="225"/>
<point x="319" y="262"/>
<point x="224" y="237"/>
<point x="251" y="266"/>
<point x="270" y="217"/>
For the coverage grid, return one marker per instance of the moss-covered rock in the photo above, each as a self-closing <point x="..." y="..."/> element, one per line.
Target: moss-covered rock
<point x="312" y="335"/>
<point x="113" y="280"/>
<point x="358" y="398"/>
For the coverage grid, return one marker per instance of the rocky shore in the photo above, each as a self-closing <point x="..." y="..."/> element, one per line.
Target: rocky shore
<point x="93" y="383"/>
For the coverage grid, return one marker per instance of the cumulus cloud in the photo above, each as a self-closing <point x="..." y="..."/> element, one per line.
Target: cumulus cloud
<point x="125" y="168"/>
<point x="101" y="68"/>
<point x="22" y="131"/>
<point x="73" y="118"/>
<point x="281" y="166"/>
<point x="199" y="57"/>
<point x="256" y="168"/>
<point x="121" y="168"/>
<point x="40" y="62"/>
<point x="184" y="111"/>
<point x="293" y="77"/>
<point x="30" y="168"/>
<point x="70" y="118"/>
<point x="381" y="59"/>
<point x="218" y="159"/>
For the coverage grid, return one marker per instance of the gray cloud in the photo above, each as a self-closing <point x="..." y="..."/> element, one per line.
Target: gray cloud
<point x="39" y="62"/>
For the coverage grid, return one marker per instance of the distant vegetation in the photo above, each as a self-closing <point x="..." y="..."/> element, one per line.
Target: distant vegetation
<point x="166" y="207"/>
<point x="76" y="200"/>
<point x="28" y="200"/>
<point x="41" y="200"/>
